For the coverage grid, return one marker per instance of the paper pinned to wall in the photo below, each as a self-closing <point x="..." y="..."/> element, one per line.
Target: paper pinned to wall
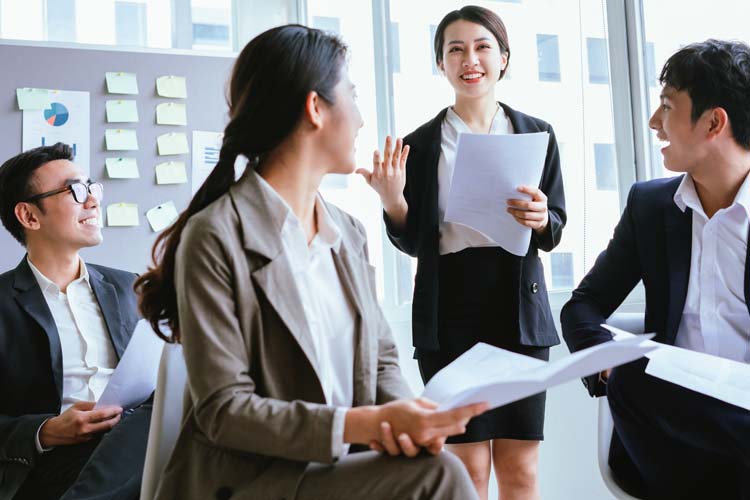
<point x="122" y="168"/>
<point x="172" y="86"/>
<point x="120" y="111"/>
<point x="119" y="82"/>
<point x="171" y="113"/>
<point x="173" y="143"/>
<point x="171" y="172"/>
<point x="123" y="214"/>
<point x="121" y="139"/>
<point x="31" y="98"/>
<point x="206" y="149"/>
<point x="162" y="216"/>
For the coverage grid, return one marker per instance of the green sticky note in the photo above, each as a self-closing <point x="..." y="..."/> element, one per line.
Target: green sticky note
<point x="29" y="98"/>
<point x="171" y="113"/>
<point x="171" y="172"/>
<point x="162" y="216"/>
<point x="173" y="143"/>
<point x="121" y="83"/>
<point x="122" y="111"/>
<point x="122" y="214"/>
<point x="172" y="86"/>
<point x="121" y="139"/>
<point x="122" y="168"/>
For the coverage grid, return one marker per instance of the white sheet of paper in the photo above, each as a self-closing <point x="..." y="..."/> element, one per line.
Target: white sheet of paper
<point x="161" y="216"/>
<point x="206" y="149"/>
<point x="134" y="379"/>
<point x="122" y="168"/>
<point x="724" y="379"/>
<point x="487" y="373"/>
<point x="488" y="170"/>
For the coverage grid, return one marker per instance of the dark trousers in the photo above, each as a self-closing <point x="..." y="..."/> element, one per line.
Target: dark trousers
<point x="674" y="443"/>
<point x="107" y="467"/>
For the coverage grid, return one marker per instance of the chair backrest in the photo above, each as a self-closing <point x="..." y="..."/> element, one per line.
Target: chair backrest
<point x="166" y="417"/>
<point x="633" y="323"/>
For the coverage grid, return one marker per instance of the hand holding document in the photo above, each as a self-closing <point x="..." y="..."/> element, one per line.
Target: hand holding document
<point x="487" y="373"/>
<point x="488" y="170"/>
<point x="134" y="378"/>
<point x="720" y="378"/>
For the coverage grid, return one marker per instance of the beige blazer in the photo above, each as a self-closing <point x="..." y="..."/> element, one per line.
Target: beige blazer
<point x="255" y="413"/>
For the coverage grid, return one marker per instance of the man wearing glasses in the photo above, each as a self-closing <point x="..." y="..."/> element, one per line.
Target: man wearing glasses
<point x="63" y="326"/>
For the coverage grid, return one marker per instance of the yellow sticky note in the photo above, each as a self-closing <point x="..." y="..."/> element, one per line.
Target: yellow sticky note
<point x="119" y="82"/>
<point x="172" y="86"/>
<point x="122" y="168"/>
<point x="171" y="172"/>
<point x="122" y="111"/>
<point x="122" y="214"/>
<point x="173" y="143"/>
<point x="162" y="216"/>
<point x="29" y="98"/>
<point x="121" y="139"/>
<point x="171" y="113"/>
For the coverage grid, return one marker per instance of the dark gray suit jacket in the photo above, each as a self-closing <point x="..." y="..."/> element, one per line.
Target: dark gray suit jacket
<point x="31" y="359"/>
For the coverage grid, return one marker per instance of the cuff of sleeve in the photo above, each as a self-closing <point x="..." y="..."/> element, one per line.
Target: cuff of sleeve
<point x="338" y="447"/>
<point x="39" y="447"/>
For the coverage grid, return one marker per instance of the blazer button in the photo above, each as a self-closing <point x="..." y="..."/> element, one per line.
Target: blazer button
<point x="534" y="287"/>
<point x="224" y="493"/>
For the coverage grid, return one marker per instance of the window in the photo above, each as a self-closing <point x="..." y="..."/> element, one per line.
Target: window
<point x="330" y="24"/>
<point x="130" y="23"/>
<point x="562" y="270"/>
<point x="61" y="20"/>
<point x="433" y="30"/>
<point x="395" y="49"/>
<point x="548" y="57"/>
<point x="606" y="167"/>
<point x="650" y="61"/>
<point x="598" y="60"/>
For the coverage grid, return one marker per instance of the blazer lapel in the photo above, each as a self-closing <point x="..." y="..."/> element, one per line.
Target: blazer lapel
<point x="31" y="299"/>
<point x="110" y="308"/>
<point x="678" y="228"/>
<point x="747" y="274"/>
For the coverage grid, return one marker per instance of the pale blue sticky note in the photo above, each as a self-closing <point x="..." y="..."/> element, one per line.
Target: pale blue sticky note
<point x="122" y="168"/>
<point x="171" y="113"/>
<point x="171" y="172"/>
<point x="120" y="111"/>
<point x="119" y="82"/>
<point x="173" y="143"/>
<point x="162" y="216"/>
<point x="29" y="98"/>
<point x="122" y="214"/>
<point x="121" y="139"/>
<point x="172" y="86"/>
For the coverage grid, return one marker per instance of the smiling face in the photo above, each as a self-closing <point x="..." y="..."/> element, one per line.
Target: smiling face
<point x="472" y="59"/>
<point x="341" y="127"/>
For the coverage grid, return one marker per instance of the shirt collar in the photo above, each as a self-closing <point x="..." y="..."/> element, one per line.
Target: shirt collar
<point x="457" y="123"/>
<point x="687" y="197"/>
<point x="47" y="285"/>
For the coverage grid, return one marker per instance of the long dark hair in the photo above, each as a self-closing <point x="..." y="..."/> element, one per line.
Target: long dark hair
<point x="270" y="82"/>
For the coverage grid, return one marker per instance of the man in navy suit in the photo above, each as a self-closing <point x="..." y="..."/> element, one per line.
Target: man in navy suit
<point x="64" y="325"/>
<point x="686" y="239"/>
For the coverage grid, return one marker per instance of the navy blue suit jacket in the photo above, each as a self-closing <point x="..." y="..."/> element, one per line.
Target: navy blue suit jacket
<point x="651" y="243"/>
<point x="31" y="358"/>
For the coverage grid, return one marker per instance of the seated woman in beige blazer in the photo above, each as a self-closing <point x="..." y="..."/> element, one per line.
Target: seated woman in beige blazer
<point x="269" y="290"/>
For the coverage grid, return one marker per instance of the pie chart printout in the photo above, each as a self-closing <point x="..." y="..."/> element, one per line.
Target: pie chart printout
<point x="57" y="114"/>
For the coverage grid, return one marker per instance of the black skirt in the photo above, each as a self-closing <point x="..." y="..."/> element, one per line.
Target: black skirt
<point x="473" y="291"/>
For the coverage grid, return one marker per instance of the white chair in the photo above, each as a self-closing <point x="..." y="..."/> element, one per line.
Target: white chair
<point x="633" y="323"/>
<point x="166" y="417"/>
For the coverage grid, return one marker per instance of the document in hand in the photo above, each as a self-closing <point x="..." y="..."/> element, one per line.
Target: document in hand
<point x="134" y="378"/>
<point x="720" y="378"/>
<point x="487" y="373"/>
<point x="488" y="170"/>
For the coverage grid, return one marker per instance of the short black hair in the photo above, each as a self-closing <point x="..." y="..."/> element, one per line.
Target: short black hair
<point x="715" y="74"/>
<point x="16" y="183"/>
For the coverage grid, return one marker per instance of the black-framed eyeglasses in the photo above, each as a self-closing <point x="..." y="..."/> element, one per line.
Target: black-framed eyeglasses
<point x="80" y="190"/>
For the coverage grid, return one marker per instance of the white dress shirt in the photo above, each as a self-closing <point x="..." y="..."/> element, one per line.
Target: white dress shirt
<point x="715" y="319"/>
<point x="88" y="356"/>
<point x="328" y="310"/>
<point x="456" y="237"/>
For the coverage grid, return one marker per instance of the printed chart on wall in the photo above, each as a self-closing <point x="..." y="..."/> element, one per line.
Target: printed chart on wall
<point x="65" y="119"/>
<point x="206" y="148"/>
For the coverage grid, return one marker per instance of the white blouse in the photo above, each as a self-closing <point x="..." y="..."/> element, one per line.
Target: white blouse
<point x="456" y="237"/>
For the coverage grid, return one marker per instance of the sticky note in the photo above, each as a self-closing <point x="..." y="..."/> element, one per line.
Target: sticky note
<point x="172" y="86"/>
<point x="171" y="172"/>
<point x="121" y="139"/>
<point x="162" y="216"/>
<point x="122" y="168"/>
<point x="119" y="82"/>
<point x="171" y="113"/>
<point x="29" y="98"/>
<point x="122" y="214"/>
<point x="173" y="143"/>
<point x="122" y="111"/>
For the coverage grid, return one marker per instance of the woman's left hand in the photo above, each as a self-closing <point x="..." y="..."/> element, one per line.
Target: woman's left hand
<point x="530" y="213"/>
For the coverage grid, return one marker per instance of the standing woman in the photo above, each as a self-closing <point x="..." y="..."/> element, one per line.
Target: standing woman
<point x="268" y="288"/>
<point x="468" y="289"/>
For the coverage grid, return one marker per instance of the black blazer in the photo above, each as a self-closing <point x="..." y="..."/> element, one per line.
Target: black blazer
<point x="420" y="237"/>
<point x="31" y="359"/>
<point x="651" y="243"/>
